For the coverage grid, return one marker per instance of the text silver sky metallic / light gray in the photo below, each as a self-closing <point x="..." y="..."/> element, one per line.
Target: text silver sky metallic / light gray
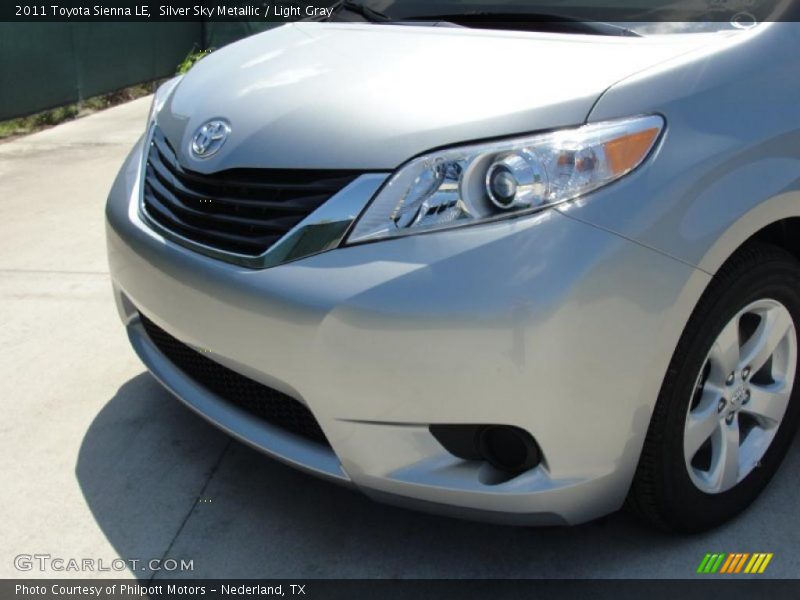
<point x="505" y="274"/>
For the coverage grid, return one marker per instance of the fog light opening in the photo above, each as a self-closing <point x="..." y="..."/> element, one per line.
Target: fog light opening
<point x="508" y="449"/>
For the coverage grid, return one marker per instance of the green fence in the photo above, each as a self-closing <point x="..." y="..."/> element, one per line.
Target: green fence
<point x="216" y="35"/>
<point x="43" y="65"/>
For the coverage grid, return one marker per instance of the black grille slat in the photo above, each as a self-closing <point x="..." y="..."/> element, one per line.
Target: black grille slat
<point x="241" y="243"/>
<point x="244" y="211"/>
<point x="260" y="400"/>
<point x="195" y="214"/>
<point x="303" y="204"/>
<point x="295" y="180"/>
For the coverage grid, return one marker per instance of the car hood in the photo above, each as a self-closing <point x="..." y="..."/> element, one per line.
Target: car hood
<point x="364" y="96"/>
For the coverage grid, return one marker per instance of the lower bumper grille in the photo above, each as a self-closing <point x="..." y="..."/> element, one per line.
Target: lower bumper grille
<point x="262" y="401"/>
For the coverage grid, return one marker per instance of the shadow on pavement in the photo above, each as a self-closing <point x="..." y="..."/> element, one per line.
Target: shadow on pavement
<point x="162" y="482"/>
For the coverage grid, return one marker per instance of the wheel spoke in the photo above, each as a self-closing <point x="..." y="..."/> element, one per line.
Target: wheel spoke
<point x="701" y="423"/>
<point x="774" y="326"/>
<point x="768" y="403"/>
<point x="724" y="355"/>
<point x="725" y="463"/>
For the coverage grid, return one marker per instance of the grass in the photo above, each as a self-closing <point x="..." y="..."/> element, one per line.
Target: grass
<point x="48" y="118"/>
<point x="191" y="59"/>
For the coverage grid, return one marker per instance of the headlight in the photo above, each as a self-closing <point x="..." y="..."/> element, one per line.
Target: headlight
<point x="160" y="98"/>
<point x="470" y="184"/>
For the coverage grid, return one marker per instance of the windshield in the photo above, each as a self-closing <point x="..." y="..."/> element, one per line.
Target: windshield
<point x="645" y="17"/>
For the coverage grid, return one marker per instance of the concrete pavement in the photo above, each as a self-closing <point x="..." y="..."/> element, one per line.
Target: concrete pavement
<point x="99" y="462"/>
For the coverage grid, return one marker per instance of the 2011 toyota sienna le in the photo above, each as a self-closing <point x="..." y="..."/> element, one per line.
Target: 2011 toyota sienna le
<point x="518" y="270"/>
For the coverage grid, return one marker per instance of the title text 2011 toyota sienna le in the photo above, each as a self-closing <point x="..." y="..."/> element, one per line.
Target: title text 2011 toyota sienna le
<point x="520" y="273"/>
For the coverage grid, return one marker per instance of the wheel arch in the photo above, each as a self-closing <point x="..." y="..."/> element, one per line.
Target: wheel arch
<point x="776" y="221"/>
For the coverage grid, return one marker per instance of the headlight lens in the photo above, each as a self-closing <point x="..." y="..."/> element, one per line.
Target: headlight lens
<point x="481" y="182"/>
<point x="160" y="98"/>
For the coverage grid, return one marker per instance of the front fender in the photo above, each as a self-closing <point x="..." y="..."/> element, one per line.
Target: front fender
<point x="729" y="162"/>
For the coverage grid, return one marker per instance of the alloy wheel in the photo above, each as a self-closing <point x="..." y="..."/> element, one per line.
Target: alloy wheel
<point x="741" y="396"/>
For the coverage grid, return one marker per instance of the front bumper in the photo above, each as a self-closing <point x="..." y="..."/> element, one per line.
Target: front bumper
<point x="544" y="323"/>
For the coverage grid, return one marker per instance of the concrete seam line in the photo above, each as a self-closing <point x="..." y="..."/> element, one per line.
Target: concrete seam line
<point x="193" y="507"/>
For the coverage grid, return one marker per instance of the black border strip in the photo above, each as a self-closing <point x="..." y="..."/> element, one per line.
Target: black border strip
<point x="281" y="11"/>
<point x="701" y="588"/>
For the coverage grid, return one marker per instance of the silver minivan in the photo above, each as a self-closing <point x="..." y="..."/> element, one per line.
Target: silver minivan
<point x="492" y="265"/>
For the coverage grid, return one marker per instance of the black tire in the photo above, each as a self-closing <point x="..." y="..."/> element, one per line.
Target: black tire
<point x="662" y="491"/>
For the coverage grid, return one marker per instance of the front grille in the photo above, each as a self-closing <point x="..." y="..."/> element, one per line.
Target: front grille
<point x="241" y="211"/>
<point x="260" y="400"/>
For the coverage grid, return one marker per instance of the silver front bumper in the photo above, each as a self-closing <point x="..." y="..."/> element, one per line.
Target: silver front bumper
<point x="544" y="323"/>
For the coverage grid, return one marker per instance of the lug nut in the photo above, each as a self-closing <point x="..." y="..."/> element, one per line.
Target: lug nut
<point x="729" y="419"/>
<point x="722" y="404"/>
<point x="746" y="397"/>
<point x="731" y="378"/>
<point x="745" y="373"/>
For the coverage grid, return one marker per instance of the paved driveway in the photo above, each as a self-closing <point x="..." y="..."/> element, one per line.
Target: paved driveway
<point x="99" y="462"/>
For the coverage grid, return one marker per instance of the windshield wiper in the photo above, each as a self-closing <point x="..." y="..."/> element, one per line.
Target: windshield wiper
<point x="551" y="23"/>
<point x="367" y="13"/>
<point x="535" y="21"/>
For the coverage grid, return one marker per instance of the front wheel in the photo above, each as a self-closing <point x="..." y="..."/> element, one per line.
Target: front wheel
<point x="728" y="409"/>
